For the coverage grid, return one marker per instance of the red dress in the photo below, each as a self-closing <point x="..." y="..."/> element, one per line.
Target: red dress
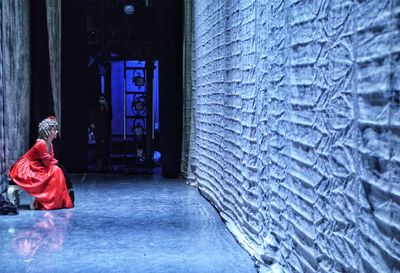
<point x="36" y="172"/>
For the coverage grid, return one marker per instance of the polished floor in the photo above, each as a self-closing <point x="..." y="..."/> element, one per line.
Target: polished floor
<point x="122" y="223"/>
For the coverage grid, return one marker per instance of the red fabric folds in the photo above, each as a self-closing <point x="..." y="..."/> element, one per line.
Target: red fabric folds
<point x="36" y="172"/>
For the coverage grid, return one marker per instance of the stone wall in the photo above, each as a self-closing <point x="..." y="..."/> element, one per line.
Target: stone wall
<point x="14" y="83"/>
<point x="297" y="129"/>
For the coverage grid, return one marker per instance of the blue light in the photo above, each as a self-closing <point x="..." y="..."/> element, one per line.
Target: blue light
<point x="117" y="93"/>
<point x="129" y="9"/>
<point x="102" y="84"/>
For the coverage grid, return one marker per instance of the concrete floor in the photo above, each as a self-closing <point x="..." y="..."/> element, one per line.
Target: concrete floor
<point x="122" y="224"/>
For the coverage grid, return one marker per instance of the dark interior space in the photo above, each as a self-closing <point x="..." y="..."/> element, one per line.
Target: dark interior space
<point x="41" y="97"/>
<point x="94" y="34"/>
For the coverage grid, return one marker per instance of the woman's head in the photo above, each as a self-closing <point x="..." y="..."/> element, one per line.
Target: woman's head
<point x="45" y="127"/>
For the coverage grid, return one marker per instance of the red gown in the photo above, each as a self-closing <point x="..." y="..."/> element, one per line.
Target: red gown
<point x="36" y="172"/>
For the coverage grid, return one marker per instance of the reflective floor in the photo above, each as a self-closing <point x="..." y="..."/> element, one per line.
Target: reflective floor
<point x="122" y="223"/>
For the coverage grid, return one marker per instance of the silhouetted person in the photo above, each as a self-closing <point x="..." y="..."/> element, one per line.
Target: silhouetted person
<point x="100" y="123"/>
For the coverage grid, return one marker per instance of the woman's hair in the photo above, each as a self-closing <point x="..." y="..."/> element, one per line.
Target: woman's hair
<point x="46" y="125"/>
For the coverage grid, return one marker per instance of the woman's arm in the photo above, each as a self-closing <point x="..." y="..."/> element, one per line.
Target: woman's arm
<point x="46" y="157"/>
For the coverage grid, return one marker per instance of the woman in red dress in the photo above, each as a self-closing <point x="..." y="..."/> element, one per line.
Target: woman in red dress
<point x="37" y="172"/>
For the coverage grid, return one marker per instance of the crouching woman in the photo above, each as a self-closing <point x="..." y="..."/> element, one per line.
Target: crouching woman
<point x="38" y="174"/>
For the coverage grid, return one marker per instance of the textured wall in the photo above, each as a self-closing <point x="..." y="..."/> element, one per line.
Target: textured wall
<point x="14" y="82"/>
<point x="297" y="129"/>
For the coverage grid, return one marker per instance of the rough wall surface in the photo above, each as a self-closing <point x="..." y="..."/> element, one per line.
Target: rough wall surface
<point x="14" y="83"/>
<point x="297" y="129"/>
<point x="188" y="111"/>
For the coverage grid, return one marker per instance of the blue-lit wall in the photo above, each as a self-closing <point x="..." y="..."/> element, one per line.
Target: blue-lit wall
<point x="117" y="95"/>
<point x="297" y="129"/>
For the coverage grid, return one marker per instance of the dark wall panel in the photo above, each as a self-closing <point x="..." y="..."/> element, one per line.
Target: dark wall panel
<point x="41" y="96"/>
<point x="170" y="32"/>
<point x="73" y="141"/>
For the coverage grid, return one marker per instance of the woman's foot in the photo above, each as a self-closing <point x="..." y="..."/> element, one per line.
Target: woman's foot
<point x="13" y="195"/>
<point x="32" y="203"/>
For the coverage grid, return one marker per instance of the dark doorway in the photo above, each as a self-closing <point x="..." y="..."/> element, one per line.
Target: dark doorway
<point x="97" y="34"/>
<point x="133" y="85"/>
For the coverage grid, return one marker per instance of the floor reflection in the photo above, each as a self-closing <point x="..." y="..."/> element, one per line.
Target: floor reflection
<point x="46" y="234"/>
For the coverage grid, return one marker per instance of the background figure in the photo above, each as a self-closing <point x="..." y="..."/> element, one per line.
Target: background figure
<point x="37" y="172"/>
<point x="100" y="118"/>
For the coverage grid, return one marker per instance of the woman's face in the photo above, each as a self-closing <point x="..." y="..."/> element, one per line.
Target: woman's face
<point x="53" y="133"/>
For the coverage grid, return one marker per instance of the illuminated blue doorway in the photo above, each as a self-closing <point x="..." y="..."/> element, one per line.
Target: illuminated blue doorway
<point x="134" y="130"/>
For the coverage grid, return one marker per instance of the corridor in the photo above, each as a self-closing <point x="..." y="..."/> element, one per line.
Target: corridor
<point x="122" y="224"/>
